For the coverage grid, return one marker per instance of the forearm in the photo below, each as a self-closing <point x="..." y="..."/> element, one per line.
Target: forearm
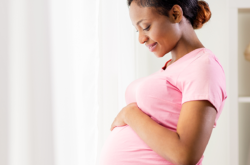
<point x="163" y="141"/>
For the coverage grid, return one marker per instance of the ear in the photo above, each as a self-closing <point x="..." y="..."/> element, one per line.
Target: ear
<point x="176" y="14"/>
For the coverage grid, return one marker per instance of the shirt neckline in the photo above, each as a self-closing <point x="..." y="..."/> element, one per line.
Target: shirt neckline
<point x="165" y="66"/>
<point x="180" y="59"/>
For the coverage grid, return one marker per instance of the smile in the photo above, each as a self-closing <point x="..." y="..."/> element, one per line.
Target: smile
<point x="151" y="48"/>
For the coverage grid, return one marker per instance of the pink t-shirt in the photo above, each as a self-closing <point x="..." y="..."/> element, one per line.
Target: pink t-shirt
<point x="197" y="75"/>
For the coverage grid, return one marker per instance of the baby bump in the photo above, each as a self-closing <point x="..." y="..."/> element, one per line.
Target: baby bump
<point x="125" y="147"/>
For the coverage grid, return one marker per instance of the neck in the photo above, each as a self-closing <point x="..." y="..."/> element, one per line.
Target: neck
<point x="187" y="43"/>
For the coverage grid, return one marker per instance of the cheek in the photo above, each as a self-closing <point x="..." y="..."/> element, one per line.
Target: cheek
<point x="164" y="39"/>
<point x="170" y="38"/>
<point x="157" y="36"/>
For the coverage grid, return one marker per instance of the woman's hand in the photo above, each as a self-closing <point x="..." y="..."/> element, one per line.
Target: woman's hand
<point x="120" y="118"/>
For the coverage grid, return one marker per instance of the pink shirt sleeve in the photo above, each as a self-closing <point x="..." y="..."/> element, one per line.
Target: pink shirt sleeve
<point x="204" y="79"/>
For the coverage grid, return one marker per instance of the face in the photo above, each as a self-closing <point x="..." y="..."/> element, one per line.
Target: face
<point x="156" y="29"/>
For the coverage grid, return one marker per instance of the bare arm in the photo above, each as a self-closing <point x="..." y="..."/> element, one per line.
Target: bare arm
<point x="184" y="147"/>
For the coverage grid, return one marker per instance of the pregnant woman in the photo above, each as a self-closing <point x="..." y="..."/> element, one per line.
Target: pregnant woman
<point x="170" y="114"/>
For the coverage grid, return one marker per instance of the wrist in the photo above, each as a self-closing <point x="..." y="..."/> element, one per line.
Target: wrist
<point x="132" y="113"/>
<point x="127" y="115"/>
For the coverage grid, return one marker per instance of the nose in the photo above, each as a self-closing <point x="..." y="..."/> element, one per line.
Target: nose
<point x="142" y="38"/>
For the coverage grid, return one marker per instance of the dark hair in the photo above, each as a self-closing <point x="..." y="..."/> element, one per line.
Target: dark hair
<point x="197" y="12"/>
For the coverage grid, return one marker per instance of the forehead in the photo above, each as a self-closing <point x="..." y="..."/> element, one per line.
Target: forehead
<point x="137" y="13"/>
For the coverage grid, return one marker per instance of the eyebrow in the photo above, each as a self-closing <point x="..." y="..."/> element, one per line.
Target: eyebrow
<point x="140" y="21"/>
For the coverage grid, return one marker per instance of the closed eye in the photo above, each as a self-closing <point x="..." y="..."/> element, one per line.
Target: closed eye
<point x="147" y="28"/>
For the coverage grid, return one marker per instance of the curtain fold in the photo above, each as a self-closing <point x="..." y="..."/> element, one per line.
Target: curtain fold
<point x="65" y="66"/>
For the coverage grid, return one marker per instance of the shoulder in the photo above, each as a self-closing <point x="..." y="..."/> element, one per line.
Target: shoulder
<point x="205" y="62"/>
<point x="210" y="59"/>
<point x="203" y="72"/>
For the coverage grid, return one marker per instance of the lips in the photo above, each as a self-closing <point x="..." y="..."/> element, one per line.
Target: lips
<point x="152" y="46"/>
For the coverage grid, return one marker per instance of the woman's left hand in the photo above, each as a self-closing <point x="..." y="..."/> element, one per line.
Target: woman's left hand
<point x="120" y="118"/>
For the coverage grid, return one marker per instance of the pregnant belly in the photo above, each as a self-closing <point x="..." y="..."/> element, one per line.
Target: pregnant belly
<point x="124" y="147"/>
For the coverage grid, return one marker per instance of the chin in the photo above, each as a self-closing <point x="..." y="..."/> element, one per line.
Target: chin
<point x="158" y="55"/>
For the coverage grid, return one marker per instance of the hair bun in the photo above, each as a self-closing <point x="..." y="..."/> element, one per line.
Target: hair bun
<point x="203" y="15"/>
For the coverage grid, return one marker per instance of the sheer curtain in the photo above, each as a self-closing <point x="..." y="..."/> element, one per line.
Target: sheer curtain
<point x="75" y="74"/>
<point x="65" y="66"/>
<point x="93" y="61"/>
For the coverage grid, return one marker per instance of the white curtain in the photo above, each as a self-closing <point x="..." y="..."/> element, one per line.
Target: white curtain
<point x="75" y="74"/>
<point x="64" y="68"/>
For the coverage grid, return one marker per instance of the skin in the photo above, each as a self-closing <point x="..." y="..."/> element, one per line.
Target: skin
<point x="196" y="120"/>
